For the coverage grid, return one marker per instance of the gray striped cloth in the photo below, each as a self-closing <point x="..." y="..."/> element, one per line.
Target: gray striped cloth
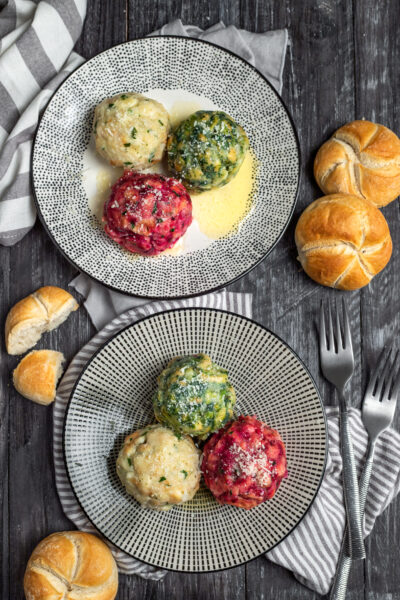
<point x="312" y="549"/>
<point x="36" y="40"/>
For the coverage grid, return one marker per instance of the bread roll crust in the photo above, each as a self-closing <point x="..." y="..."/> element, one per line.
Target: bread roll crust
<point x="71" y="565"/>
<point x="361" y="158"/>
<point x="36" y="375"/>
<point x="41" y="311"/>
<point x="343" y="241"/>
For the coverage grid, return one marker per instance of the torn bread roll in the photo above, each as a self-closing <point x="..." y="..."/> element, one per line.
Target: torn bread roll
<point x="343" y="241"/>
<point x="37" y="374"/>
<point x="42" y="311"/>
<point x="361" y="158"/>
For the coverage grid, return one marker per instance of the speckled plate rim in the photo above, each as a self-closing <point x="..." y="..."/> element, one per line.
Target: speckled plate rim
<point x="197" y="309"/>
<point x="226" y="283"/>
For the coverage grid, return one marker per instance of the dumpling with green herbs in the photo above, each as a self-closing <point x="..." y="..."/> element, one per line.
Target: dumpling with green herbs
<point x="131" y="130"/>
<point x="158" y="468"/>
<point x="194" y="396"/>
<point x="206" y="150"/>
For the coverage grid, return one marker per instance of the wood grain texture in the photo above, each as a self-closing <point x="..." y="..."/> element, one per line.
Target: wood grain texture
<point x="342" y="63"/>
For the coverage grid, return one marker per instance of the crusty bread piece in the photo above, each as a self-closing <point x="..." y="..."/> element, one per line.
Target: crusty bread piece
<point x="42" y="311"/>
<point x="37" y="374"/>
<point x="343" y="241"/>
<point x="361" y="158"/>
<point x="69" y="565"/>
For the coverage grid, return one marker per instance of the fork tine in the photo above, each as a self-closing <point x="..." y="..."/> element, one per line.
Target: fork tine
<point x="374" y="376"/>
<point x="339" y="337"/>
<point x="322" y="328"/>
<point x="396" y="386"/>
<point x="331" y="338"/>
<point x="381" y="381"/>
<point x="393" y="373"/>
<point x="346" y="327"/>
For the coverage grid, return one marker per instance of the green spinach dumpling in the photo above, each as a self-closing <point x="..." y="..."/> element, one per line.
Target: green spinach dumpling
<point x="194" y="396"/>
<point x="206" y="150"/>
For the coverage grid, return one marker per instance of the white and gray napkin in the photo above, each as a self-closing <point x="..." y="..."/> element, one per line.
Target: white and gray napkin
<point x="36" y="41"/>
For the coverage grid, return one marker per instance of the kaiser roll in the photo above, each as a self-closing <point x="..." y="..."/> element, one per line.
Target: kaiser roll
<point x="343" y="241"/>
<point x="71" y="565"/>
<point x="361" y="158"/>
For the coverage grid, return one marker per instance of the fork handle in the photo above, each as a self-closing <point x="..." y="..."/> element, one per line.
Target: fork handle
<point x="339" y="586"/>
<point x="350" y="490"/>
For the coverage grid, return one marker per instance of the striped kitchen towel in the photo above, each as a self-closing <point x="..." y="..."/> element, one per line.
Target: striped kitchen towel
<point x="312" y="549"/>
<point x="36" y="40"/>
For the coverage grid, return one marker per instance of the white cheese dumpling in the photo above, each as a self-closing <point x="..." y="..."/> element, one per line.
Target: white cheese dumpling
<point x="131" y="130"/>
<point x="158" y="468"/>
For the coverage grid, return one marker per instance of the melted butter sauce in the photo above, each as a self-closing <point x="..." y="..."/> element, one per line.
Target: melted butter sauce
<point x="217" y="213"/>
<point x="220" y="211"/>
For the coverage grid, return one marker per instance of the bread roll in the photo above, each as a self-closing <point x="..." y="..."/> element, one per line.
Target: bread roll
<point x="361" y="158"/>
<point x="71" y="565"/>
<point x="37" y="374"/>
<point x="42" y="311"/>
<point x="343" y="241"/>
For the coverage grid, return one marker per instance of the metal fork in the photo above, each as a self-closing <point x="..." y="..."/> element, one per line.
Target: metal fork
<point x="337" y="362"/>
<point x="378" y="410"/>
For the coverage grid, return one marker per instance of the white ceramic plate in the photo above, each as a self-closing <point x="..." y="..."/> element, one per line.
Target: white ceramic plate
<point x="170" y="69"/>
<point x="113" y="398"/>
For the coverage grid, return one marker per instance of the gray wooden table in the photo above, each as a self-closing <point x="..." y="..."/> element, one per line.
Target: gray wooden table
<point x="343" y="62"/>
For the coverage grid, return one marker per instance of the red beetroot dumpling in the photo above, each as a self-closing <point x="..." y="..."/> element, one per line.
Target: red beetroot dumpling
<point x="244" y="463"/>
<point x="147" y="213"/>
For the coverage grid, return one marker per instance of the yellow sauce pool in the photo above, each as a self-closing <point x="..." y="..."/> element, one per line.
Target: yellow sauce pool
<point x="181" y="110"/>
<point x="220" y="211"/>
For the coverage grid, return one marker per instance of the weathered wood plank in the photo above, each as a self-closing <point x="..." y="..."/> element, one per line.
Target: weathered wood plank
<point x="377" y="76"/>
<point x="4" y="427"/>
<point x="149" y="16"/>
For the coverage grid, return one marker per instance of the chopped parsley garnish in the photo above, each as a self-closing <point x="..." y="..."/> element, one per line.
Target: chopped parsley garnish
<point x="154" y="208"/>
<point x="178" y="435"/>
<point x="124" y="96"/>
<point x="127" y="163"/>
<point x="127" y="144"/>
<point x="160" y="220"/>
<point x="151" y="156"/>
<point x="161" y="123"/>
<point x="129" y="461"/>
<point x="111" y="105"/>
<point x="172" y="229"/>
<point x="95" y="127"/>
<point x="185" y="473"/>
<point x="133" y="132"/>
<point x="162" y="479"/>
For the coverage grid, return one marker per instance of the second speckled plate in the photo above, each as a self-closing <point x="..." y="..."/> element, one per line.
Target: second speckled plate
<point x="113" y="398"/>
<point x="182" y="66"/>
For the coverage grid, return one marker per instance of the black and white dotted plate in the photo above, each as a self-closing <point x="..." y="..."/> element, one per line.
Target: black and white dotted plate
<point x="113" y="398"/>
<point x="167" y="63"/>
